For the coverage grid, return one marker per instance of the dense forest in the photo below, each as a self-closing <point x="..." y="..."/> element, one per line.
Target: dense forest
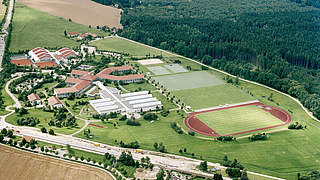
<point x="274" y="42"/>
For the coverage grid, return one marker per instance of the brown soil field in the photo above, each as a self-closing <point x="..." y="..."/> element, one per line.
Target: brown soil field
<point x="16" y="164"/>
<point x="84" y="12"/>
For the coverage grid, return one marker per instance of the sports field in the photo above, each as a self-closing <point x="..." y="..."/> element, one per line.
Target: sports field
<point x="120" y="45"/>
<point x="175" y="68"/>
<point x="33" y="28"/>
<point x="158" y="70"/>
<point x="239" y="119"/>
<point x="212" y="96"/>
<point x="190" y="80"/>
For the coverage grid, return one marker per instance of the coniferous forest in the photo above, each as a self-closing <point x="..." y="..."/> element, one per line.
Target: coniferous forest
<point x="274" y="42"/>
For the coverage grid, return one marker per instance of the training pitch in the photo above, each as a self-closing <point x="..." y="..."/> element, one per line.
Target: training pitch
<point x="158" y="70"/>
<point x="237" y="119"/>
<point x="190" y="80"/>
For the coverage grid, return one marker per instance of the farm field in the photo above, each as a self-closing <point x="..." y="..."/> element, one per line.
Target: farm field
<point x="44" y="118"/>
<point x="238" y="119"/>
<point x="84" y="12"/>
<point x="29" y="23"/>
<point x="2" y="11"/>
<point x="120" y="45"/>
<point x="205" y="97"/>
<point x="17" y="164"/>
<point x="196" y="79"/>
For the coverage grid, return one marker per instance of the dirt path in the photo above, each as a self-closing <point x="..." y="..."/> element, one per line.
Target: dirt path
<point x="84" y="12"/>
<point x="17" y="164"/>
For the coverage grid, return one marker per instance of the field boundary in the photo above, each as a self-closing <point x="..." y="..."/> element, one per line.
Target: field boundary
<point x="196" y="125"/>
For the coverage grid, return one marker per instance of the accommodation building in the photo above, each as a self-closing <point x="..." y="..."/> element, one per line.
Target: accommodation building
<point x="87" y="35"/>
<point x="55" y="102"/>
<point x="34" y="99"/>
<point x="78" y="73"/>
<point x="78" y="89"/>
<point x="108" y="74"/>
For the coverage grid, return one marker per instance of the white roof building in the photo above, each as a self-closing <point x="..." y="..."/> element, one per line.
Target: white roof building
<point x="40" y="54"/>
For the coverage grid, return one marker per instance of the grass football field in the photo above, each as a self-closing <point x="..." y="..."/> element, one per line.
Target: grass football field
<point x="33" y="28"/>
<point x="205" y="97"/>
<point x="238" y="119"/>
<point x="189" y="80"/>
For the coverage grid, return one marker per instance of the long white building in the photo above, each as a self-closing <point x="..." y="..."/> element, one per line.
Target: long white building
<point x="40" y="54"/>
<point x="113" y="101"/>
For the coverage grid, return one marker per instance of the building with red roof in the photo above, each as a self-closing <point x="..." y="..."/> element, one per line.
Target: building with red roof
<point x="79" y="73"/>
<point x="40" y="54"/>
<point x="66" y="53"/>
<point x="73" y="34"/>
<point x="86" y="35"/>
<point x="77" y="89"/>
<point x="55" y="102"/>
<point x="34" y="99"/>
<point x="106" y="74"/>
<point x="46" y="64"/>
<point x="21" y="62"/>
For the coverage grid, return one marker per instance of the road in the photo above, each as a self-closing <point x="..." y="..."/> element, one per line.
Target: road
<point x="5" y="32"/>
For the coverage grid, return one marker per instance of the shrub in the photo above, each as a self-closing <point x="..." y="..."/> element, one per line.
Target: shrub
<point x="133" y="122"/>
<point x="150" y="116"/>
<point x="295" y="125"/>
<point x="233" y="172"/>
<point x="226" y="138"/>
<point x="259" y="136"/>
<point x="175" y="127"/>
<point x="191" y="133"/>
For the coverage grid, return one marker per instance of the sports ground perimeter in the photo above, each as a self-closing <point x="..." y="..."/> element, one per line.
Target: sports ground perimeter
<point x="236" y="119"/>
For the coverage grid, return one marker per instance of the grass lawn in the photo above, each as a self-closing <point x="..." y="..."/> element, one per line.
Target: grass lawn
<point x="29" y="23"/>
<point x="166" y="104"/>
<point x="135" y="86"/>
<point x="238" y="119"/>
<point x="7" y="101"/>
<point x="47" y="85"/>
<point x="212" y="96"/>
<point x="44" y="118"/>
<point x="189" y="80"/>
<point x="119" y="45"/>
<point x="75" y="109"/>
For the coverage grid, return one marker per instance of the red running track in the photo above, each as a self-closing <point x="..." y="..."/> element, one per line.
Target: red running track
<point x="196" y="125"/>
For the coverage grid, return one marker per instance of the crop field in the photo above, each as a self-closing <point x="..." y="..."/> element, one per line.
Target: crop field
<point x="17" y="164"/>
<point x="120" y="45"/>
<point x="33" y="28"/>
<point x="84" y="12"/>
<point x="238" y="119"/>
<point x="205" y="97"/>
<point x="190" y="80"/>
<point x="2" y="11"/>
<point x="158" y="70"/>
<point x="44" y="118"/>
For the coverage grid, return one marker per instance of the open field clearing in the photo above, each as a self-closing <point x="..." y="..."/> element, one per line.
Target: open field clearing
<point x="84" y="12"/>
<point x="44" y="118"/>
<point x="119" y="45"/>
<point x="239" y="119"/>
<point x="211" y="96"/>
<point x="17" y="164"/>
<point x="33" y="28"/>
<point x="190" y="80"/>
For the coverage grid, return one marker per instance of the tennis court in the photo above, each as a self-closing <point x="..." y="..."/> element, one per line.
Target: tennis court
<point x="158" y="70"/>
